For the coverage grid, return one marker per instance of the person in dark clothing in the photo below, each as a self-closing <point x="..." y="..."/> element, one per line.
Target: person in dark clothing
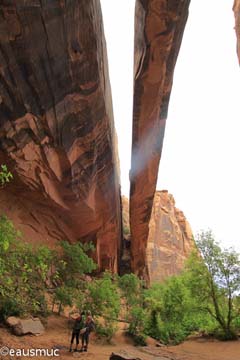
<point x="79" y="323"/>
<point x="85" y="332"/>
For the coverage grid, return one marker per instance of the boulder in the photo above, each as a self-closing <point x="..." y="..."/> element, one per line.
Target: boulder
<point x="123" y="355"/>
<point x="21" y="327"/>
<point x="12" y="321"/>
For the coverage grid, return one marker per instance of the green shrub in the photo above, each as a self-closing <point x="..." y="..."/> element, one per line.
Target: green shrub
<point x="131" y="289"/>
<point x="126" y="230"/>
<point x="139" y="339"/>
<point x="106" y="330"/>
<point x="9" y="307"/>
<point x="5" y="175"/>
<point x="73" y="262"/>
<point x="222" y="335"/>
<point x="27" y="272"/>
<point x="103" y="300"/>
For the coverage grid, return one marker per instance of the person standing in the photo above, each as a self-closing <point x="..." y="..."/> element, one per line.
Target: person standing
<point x="85" y="332"/>
<point x="79" y="324"/>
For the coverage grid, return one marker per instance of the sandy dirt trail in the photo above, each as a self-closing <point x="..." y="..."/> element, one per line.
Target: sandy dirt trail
<point x="57" y="335"/>
<point x="203" y="349"/>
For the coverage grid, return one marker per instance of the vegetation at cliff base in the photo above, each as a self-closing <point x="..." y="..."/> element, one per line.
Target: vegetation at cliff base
<point x="29" y="275"/>
<point x="214" y="281"/>
<point x="204" y="298"/>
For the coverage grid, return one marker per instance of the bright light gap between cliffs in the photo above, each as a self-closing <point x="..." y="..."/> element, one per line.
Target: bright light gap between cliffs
<point x="118" y="18"/>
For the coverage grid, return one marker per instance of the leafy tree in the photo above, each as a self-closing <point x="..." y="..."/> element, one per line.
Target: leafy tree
<point x="71" y="264"/>
<point x="103" y="299"/>
<point x="74" y="263"/>
<point x="8" y="234"/>
<point x="132" y="294"/>
<point x="5" y="175"/>
<point x="64" y="295"/>
<point x="131" y="289"/>
<point x="169" y="307"/>
<point x="137" y="318"/>
<point x="214" y="281"/>
<point x="28" y="272"/>
<point x="23" y="276"/>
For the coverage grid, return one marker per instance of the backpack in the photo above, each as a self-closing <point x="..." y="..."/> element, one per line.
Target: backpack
<point x="91" y="325"/>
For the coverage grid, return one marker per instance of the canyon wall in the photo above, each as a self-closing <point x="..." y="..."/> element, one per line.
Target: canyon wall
<point x="159" y="26"/>
<point x="125" y="215"/>
<point x="170" y="240"/>
<point x="236" y="9"/>
<point x="57" y="133"/>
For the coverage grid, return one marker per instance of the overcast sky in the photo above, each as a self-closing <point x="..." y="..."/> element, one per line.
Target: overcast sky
<point x="200" y="161"/>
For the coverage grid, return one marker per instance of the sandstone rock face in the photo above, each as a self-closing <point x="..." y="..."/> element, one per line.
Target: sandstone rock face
<point x="57" y="134"/>
<point x="159" y="26"/>
<point x="125" y="215"/>
<point x="236" y="9"/>
<point x="170" y="239"/>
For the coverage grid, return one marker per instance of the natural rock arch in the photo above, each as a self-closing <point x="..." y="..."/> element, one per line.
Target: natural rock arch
<point x="159" y="27"/>
<point x="56" y="124"/>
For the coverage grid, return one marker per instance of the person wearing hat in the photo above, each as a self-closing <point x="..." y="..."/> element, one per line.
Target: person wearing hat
<point x="79" y="323"/>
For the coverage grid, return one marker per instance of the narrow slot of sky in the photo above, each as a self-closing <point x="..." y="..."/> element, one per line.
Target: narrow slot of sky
<point x="201" y="150"/>
<point x="118" y="17"/>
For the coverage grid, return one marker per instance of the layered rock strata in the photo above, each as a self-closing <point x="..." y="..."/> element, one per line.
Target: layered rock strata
<point x="57" y="132"/>
<point x="170" y="239"/>
<point x="159" y="26"/>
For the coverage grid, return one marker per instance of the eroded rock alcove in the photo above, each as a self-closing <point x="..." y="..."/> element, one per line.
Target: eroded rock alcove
<point x="57" y="132"/>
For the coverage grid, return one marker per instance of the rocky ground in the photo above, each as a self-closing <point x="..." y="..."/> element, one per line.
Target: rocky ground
<point x="57" y="335"/>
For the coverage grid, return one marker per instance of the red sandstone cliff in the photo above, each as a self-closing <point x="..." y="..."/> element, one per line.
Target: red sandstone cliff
<point x="125" y="215"/>
<point x="236" y="9"/>
<point x="159" y="26"/>
<point x="56" y="124"/>
<point x="170" y="239"/>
